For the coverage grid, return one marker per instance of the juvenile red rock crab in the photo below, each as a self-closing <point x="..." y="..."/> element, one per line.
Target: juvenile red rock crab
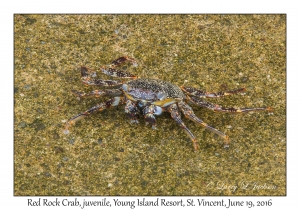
<point x="151" y="97"/>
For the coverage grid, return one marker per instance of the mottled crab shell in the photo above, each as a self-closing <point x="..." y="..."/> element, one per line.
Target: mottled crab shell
<point x="157" y="86"/>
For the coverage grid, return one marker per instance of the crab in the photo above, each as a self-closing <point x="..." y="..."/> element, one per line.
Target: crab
<point x="150" y="98"/>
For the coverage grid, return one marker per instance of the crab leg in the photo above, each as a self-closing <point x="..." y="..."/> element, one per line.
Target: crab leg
<point x="218" y="108"/>
<point x="189" y="113"/>
<point x="175" y="114"/>
<point x="100" y="82"/>
<point x="99" y="107"/>
<point x="122" y="60"/>
<point x="111" y="71"/>
<point x="117" y="73"/>
<point x="87" y="78"/>
<point x="203" y="94"/>
<point x="97" y="93"/>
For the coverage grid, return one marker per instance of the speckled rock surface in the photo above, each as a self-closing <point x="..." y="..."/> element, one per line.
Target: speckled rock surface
<point x="106" y="155"/>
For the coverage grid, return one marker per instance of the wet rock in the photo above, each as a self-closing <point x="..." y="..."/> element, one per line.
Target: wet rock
<point x="244" y="79"/>
<point x="30" y="21"/>
<point x="72" y="141"/>
<point x="26" y="87"/>
<point x="22" y="124"/>
<point x="47" y="174"/>
<point x="40" y="111"/>
<point x="38" y="125"/>
<point x="58" y="150"/>
<point x="56" y="136"/>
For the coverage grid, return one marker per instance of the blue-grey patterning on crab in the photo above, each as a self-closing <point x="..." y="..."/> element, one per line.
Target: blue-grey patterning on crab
<point x="150" y="97"/>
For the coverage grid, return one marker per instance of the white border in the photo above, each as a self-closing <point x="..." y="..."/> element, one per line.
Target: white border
<point x="9" y="8"/>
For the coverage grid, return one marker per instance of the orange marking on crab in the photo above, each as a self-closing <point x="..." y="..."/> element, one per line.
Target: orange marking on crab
<point x="165" y="102"/>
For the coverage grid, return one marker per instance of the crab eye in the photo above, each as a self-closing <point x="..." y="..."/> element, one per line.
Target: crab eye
<point x="157" y="110"/>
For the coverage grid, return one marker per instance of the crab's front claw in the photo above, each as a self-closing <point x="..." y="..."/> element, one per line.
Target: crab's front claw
<point x="150" y="119"/>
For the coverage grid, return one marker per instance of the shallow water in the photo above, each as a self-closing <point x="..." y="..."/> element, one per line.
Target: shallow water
<point x="106" y="155"/>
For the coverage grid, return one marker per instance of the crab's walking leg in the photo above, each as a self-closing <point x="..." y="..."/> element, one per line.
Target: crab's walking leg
<point x="189" y="113"/>
<point x="87" y="77"/>
<point x="100" y="82"/>
<point x="99" y="107"/>
<point x="132" y="111"/>
<point x="203" y="94"/>
<point x="111" y="71"/>
<point x="117" y="73"/>
<point x="218" y="108"/>
<point x="175" y="114"/>
<point x="98" y="93"/>
<point x="122" y="60"/>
